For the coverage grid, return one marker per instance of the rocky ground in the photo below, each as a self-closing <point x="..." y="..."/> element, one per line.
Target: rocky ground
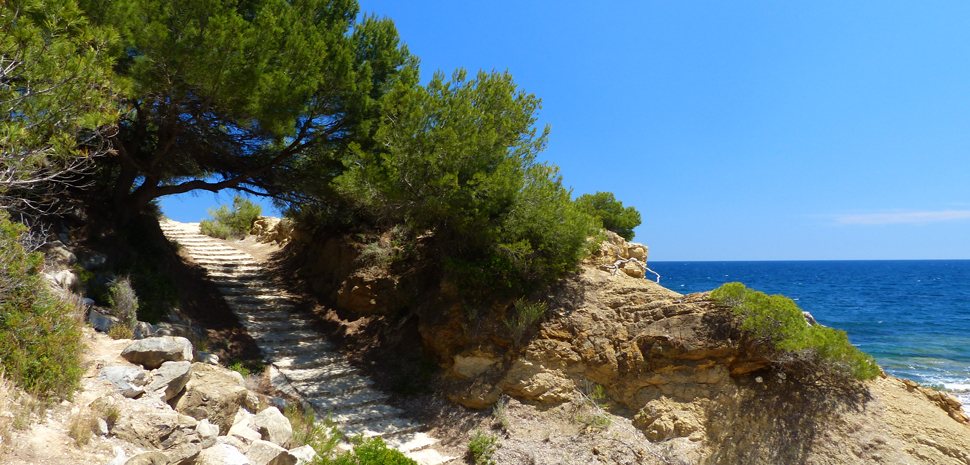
<point x="622" y="371"/>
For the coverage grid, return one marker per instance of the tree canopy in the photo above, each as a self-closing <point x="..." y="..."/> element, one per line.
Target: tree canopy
<point x="57" y="103"/>
<point x="615" y="217"/>
<point x="242" y="95"/>
<point x="458" y="158"/>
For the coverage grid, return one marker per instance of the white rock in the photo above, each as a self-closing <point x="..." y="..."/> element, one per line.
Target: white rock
<point x="222" y="454"/>
<point x="120" y="457"/>
<point x="244" y="433"/>
<point x="153" y="351"/>
<point x="245" y="418"/>
<point x="170" y="378"/>
<point x="207" y="432"/>
<point x="128" y="379"/>
<point x="237" y="376"/>
<point x="304" y="454"/>
<point x="273" y="426"/>
<point x="267" y="453"/>
<point x="102" y="427"/>
<point x="206" y="357"/>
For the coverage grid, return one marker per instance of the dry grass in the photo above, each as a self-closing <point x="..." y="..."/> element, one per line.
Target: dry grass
<point x="16" y="410"/>
<point x="83" y="424"/>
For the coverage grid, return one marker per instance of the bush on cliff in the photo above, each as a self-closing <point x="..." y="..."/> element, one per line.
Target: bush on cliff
<point x="615" y="217"/>
<point x="40" y="336"/>
<point x="776" y="323"/>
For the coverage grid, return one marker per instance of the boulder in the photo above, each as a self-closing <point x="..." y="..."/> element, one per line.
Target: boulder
<point x="128" y="379"/>
<point x="67" y="280"/>
<point x="245" y="418"/>
<point x="267" y="453"/>
<point x="148" y="458"/>
<point x="245" y="435"/>
<point x="304" y="454"/>
<point x="205" y="357"/>
<point x="211" y="394"/>
<point x="170" y="378"/>
<point x="207" y="433"/>
<point x="234" y="441"/>
<point x="100" y="321"/>
<point x="148" y="427"/>
<point x="152" y="352"/>
<point x="143" y="330"/>
<point x="60" y="255"/>
<point x="222" y="454"/>
<point x="94" y="262"/>
<point x="273" y="426"/>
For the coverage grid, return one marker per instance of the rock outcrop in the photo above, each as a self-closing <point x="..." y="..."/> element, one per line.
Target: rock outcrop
<point x="678" y="364"/>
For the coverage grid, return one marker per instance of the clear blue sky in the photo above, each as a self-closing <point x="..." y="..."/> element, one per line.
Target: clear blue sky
<point x="754" y="131"/>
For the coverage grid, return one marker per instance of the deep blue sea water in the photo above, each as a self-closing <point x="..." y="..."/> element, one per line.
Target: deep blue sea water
<point x="913" y="316"/>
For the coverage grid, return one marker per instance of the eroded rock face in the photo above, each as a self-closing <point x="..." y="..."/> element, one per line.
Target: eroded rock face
<point x="152" y="352"/>
<point x="211" y="394"/>
<point x="637" y="339"/>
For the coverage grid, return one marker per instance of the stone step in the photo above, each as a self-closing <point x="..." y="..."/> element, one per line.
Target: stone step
<point x="296" y="359"/>
<point x="246" y="290"/>
<point x="288" y="336"/>
<point x="338" y="368"/>
<point x="258" y="281"/>
<point x="411" y="442"/>
<point x="219" y="276"/>
<point x="296" y="355"/>
<point x="365" y="413"/>
<point x="233" y="263"/>
<point x="221" y="254"/>
<point x="333" y="386"/>
<point x="256" y="300"/>
<point x="257" y="308"/>
<point x="277" y="315"/>
<point x="232" y="269"/>
<point x="386" y="428"/>
<point x="262" y="327"/>
<point x="347" y="401"/>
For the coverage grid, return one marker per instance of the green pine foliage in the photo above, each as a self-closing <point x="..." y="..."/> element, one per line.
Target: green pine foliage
<point x="776" y="323"/>
<point x="56" y="98"/>
<point x="615" y="217"/>
<point x="40" y="336"/>
<point x="458" y="158"/>
<point x="231" y="223"/>
<point x="258" y="94"/>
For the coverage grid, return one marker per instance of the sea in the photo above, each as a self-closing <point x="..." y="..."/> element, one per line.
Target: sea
<point x="913" y="316"/>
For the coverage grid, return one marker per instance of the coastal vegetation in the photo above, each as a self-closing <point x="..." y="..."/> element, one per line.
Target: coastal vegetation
<point x="611" y="212"/>
<point x="231" y="223"/>
<point x="40" y="335"/>
<point x="775" y="324"/>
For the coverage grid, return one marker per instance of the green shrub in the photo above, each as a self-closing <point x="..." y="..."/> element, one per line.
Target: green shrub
<point x="124" y="302"/>
<point x="371" y="451"/>
<point x="527" y="314"/>
<point x="776" y="323"/>
<point x="231" y="223"/>
<point x="481" y="448"/>
<point x="40" y="336"/>
<point x="322" y="436"/>
<point x="615" y="218"/>
<point x="120" y="331"/>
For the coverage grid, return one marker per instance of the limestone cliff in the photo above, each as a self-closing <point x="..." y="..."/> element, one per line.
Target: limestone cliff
<point x="677" y="364"/>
